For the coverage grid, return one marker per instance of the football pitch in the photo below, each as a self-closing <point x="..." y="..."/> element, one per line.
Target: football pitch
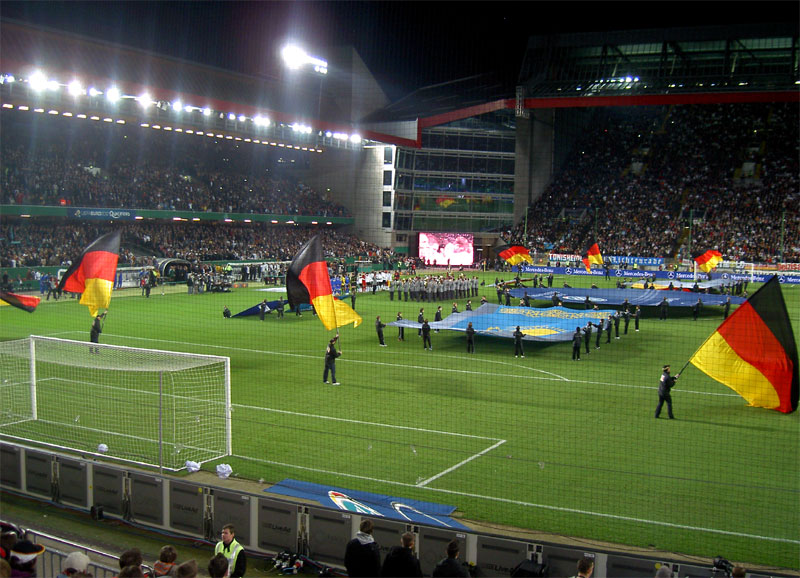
<point x="541" y="443"/>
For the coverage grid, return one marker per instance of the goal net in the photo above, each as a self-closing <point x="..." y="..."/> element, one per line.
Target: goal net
<point x="151" y="407"/>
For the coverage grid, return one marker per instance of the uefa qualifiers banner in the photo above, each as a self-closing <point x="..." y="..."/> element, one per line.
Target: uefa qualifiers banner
<point x="685" y="276"/>
<point x="113" y="214"/>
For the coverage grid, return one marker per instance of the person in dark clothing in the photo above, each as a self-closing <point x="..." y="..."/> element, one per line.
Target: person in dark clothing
<point x="362" y="556"/>
<point x="401" y="331"/>
<point x="507" y="294"/>
<point x="94" y="333"/>
<point x="353" y="291"/>
<point x="470" y="338"/>
<point x="518" y="343"/>
<point x="617" y="318"/>
<point x="401" y="560"/>
<point x="696" y="309"/>
<point x="280" y="307"/>
<point x="664" y="387"/>
<point x="379" y="329"/>
<point x="577" y="338"/>
<point x="438" y="316"/>
<point x="262" y="309"/>
<point x="663" y="308"/>
<point x="226" y="313"/>
<point x="555" y="299"/>
<point x="626" y="317"/>
<point x="636" y="316"/>
<point x="330" y="361"/>
<point x="450" y="566"/>
<point x="587" y="335"/>
<point x="426" y="335"/>
<point x="727" y="308"/>
<point x="609" y="325"/>
<point x="420" y="320"/>
<point x="599" y="334"/>
<point x="549" y="280"/>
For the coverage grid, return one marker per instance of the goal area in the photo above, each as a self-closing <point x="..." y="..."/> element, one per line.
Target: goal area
<point x="145" y="406"/>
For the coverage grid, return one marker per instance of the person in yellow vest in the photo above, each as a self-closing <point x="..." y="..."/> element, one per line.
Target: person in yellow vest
<point x="233" y="551"/>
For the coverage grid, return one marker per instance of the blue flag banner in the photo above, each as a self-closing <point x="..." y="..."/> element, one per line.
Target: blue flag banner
<point x="537" y="324"/>
<point x="376" y="505"/>
<point x="256" y="309"/>
<point x="643" y="297"/>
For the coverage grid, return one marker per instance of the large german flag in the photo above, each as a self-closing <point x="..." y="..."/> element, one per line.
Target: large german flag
<point x="92" y="274"/>
<point x="754" y="352"/>
<point x="25" y="302"/>
<point x="593" y="256"/>
<point x="708" y="261"/>
<point x="307" y="281"/>
<point x="514" y="254"/>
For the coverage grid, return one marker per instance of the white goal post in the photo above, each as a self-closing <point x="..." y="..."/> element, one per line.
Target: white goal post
<point x="145" y="406"/>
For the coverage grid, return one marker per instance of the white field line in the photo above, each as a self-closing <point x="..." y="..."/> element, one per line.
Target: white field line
<point x="468" y="494"/>
<point x="421" y="367"/>
<point x="359" y="422"/>
<point x="459" y="464"/>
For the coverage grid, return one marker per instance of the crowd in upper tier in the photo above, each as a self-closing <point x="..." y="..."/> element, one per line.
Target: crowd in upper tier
<point x="55" y="161"/>
<point x="639" y="177"/>
<point x="643" y="181"/>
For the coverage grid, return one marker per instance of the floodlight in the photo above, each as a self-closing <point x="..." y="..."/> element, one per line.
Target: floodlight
<point x="242" y="118"/>
<point x="328" y="134"/>
<point x="231" y="116"/>
<point x="188" y="108"/>
<point x="293" y="56"/>
<point x="52" y="85"/>
<point x="177" y="106"/>
<point x="9" y="78"/>
<point x="37" y="81"/>
<point x="261" y="121"/>
<point x="355" y="138"/>
<point x="144" y="100"/>
<point x="113" y="94"/>
<point x="75" y="88"/>
<point x="206" y="111"/>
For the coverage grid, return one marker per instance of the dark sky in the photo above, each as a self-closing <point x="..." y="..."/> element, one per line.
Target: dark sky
<point x="406" y="45"/>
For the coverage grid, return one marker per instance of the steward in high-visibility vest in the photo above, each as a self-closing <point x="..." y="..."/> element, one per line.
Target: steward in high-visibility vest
<point x="233" y="551"/>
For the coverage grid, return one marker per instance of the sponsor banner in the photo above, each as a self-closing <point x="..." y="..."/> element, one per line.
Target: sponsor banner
<point x="114" y="214"/>
<point x="685" y="276"/>
<point x="646" y="261"/>
<point x="563" y="257"/>
<point x="788" y="266"/>
<point x="376" y="505"/>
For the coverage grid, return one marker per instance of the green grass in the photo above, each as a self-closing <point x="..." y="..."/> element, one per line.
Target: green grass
<point x="541" y="443"/>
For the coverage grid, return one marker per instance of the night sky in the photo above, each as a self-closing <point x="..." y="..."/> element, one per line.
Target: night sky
<point x="406" y="45"/>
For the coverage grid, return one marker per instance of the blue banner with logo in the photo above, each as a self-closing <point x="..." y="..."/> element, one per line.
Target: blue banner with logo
<point x="368" y="504"/>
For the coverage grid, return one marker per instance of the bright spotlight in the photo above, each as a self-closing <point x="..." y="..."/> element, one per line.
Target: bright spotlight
<point x="355" y="138"/>
<point x="261" y="121"/>
<point x="293" y="56"/>
<point x="242" y="118"/>
<point x="231" y="116"/>
<point x="37" y="81"/>
<point x="144" y="100"/>
<point x="94" y="92"/>
<point x="75" y="88"/>
<point x="177" y="106"/>
<point x="206" y="111"/>
<point x="112" y="94"/>
<point x="52" y="85"/>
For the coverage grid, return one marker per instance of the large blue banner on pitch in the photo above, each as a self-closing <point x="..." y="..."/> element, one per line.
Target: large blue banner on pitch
<point x="536" y="324"/>
<point x="367" y="504"/>
<point x="604" y="297"/>
<point x="686" y="276"/>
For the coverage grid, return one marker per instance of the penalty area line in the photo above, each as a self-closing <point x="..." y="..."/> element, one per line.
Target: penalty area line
<point x="459" y="464"/>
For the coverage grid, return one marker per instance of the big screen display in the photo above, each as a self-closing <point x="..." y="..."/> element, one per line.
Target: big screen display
<point x="452" y="249"/>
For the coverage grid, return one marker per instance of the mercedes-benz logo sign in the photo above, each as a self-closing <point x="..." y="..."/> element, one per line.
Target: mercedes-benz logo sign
<point x="781" y="279"/>
<point x="568" y="271"/>
<point x="619" y="273"/>
<point x="671" y="275"/>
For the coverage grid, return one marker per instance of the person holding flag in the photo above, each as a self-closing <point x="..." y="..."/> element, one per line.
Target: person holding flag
<point x="330" y="361"/>
<point x="97" y="329"/>
<point x="92" y="274"/>
<point x="664" y="387"/>
<point x="593" y="256"/>
<point x="308" y="281"/>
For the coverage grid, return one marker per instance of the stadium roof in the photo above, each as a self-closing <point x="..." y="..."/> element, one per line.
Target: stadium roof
<point x="737" y="58"/>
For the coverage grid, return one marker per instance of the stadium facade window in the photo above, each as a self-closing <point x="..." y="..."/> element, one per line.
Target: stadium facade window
<point x="387" y="178"/>
<point x="386" y="221"/>
<point x="387" y="198"/>
<point x="387" y="155"/>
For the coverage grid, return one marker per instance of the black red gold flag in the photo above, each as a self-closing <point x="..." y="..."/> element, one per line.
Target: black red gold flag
<point x="593" y="256"/>
<point x="307" y="281"/>
<point x="92" y="274"/>
<point x="25" y="302"/>
<point x="514" y="254"/>
<point x="708" y="261"/>
<point x="754" y="352"/>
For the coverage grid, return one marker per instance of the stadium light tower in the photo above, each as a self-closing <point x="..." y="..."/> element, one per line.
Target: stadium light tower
<point x="295" y="58"/>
